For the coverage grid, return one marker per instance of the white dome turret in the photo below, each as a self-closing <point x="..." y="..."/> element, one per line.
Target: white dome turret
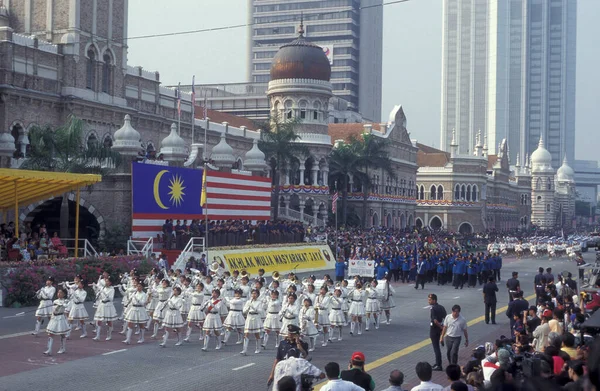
<point x="565" y="173"/>
<point x="7" y="144"/>
<point x="172" y="147"/>
<point x="127" y="139"/>
<point x="541" y="159"/>
<point x="255" y="158"/>
<point x="222" y="154"/>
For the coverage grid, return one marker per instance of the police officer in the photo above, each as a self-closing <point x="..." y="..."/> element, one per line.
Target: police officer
<point x="513" y="286"/>
<point x="437" y="316"/>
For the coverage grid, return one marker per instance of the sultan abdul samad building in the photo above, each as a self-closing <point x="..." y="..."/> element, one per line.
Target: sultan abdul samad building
<point x="72" y="59"/>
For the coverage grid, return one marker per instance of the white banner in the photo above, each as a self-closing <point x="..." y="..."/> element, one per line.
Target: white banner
<point x="328" y="50"/>
<point x="361" y="267"/>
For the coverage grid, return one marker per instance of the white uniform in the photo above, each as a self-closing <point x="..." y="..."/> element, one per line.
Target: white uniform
<point x="97" y="289"/>
<point x="372" y="306"/>
<point x="137" y="313"/>
<point x="196" y="313"/>
<point x="153" y="297"/>
<point x="253" y="310"/>
<point x="78" y="311"/>
<point x="288" y="315"/>
<point x="336" y="316"/>
<point x="357" y="305"/>
<point x="272" y="322"/>
<point x="173" y="317"/>
<point x="106" y="311"/>
<point x="307" y="322"/>
<point x="161" y="308"/>
<point x="186" y="295"/>
<point x="46" y="294"/>
<point x="215" y="309"/>
<point x="58" y="322"/>
<point x="235" y="318"/>
<point x="388" y="302"/>
<point x="322" y="304"/>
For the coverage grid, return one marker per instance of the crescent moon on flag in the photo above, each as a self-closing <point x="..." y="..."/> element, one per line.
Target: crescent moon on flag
<point x="156" y="188"/>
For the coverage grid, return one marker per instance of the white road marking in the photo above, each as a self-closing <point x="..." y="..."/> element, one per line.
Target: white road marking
<point x="15" y="335"/>
<point x="457" y="297"/>
<point x="480" y="289"/>
<point x="113" y="352"/>
<point x="12" y="316"/>
<point x="243" y="366"/>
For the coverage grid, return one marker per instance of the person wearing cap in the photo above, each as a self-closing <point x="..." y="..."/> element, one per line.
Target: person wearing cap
<point x="356" y="372"/>
<point x="290" y="360"/>
<point x="501" y="359"/>
<point x="513" y="285"/>
<point x="332" y="370"/>
<point x="540" y="334"/>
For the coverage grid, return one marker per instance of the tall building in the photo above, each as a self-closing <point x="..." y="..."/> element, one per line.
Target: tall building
<point x="349" y="31"/>
<point x="508" y="68"/>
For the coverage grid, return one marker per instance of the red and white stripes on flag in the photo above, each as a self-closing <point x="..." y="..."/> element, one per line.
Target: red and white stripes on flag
<point x="334" y="200"/>
<point x="229" y="197"/>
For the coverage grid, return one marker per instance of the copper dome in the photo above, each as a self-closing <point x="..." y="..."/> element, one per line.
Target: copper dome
<point x="300" y="59"/>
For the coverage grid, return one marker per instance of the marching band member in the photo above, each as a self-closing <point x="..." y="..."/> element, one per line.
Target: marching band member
<point x="172" y="318"/>
<point x="308" y="316"/>
<point x="372" y="306"/>
<point x="215" y="310"/>
<point x="245" y="288"/>
<point x="208" y="288"/>
<point x="336" y="315"/>
<point x="186" y="295"/>
<point x="44" y="310"/>
<point x="97" y="287"/>
<point x="78" y="312"/>
<point x="235" y="319"/>
<point x="58" y="323"/>
<point x="70" y="288"/>
<point x="196" y="314"/>
<point x="127" y="290"/>
<point x="387" y="302"/>
<point x="106" y="311"/>
<point x="137" y="314"/>
<point x="152" y="302"/>
<point x="272" y="323"/>
<point x="289" y="314"/>
<point x="357" y="307"/>
<point x="163" y="292"/>
<point x="253" y="325"/>
<point x="322" y="305"/>
<point x="309" y="293"/>
<point x="345" y="302"/>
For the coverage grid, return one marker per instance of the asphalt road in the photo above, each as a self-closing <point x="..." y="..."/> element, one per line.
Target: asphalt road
<point x="105" y="365"/>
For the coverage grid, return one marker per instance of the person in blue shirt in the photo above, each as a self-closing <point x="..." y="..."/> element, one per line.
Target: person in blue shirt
<point x="340" y="269"/>
<point x="382" y="271"/>
<point x="498" y="266"/>
<point x="395" y="266"/>
<point x="405" y="268"/>
<point x="441" y="272"/>
<point x="421" y="273"/>
<point x="472" y="271"/>
<point x="458" y="272"/>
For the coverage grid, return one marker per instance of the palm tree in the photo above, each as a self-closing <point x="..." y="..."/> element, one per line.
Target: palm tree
<point x="62" y="150"/>
<point x="373" y="155"/>
<point x="280" y="146"/>
<point x="343" y="163"/>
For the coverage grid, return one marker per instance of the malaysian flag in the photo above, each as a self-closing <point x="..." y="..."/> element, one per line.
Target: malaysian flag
<point x="334" y="200"/>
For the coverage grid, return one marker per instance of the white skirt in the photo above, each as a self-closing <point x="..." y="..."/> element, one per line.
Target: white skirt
<point x="235" y="320"/>
<point x="212" y="323"/>
<point x="357" y="308"/>
<point x="324" y="318"/>
<point x="308" y="329"/>
<point x="78" y="312"/>
<point x="284" y="325"/>
<point x="187" y="306"/>
<point x="253" y="324"/>
<point x="272" y="322"/>
<point x="336" y="318"/>
<point x="44" y="309"/>
<point x="372" y="306"/>
<point x="345" y="305"/>
<point x="388" y="304"/>
<point x="58" y="325"/>
<point x="68" y="307"/>
<point x="151" y="306"/>
<point x="106" y="312"/>
<point x="173" y="319"/>
<point x="136" y="315"/>
<point x="159" y="311"/>
<point x="196" y="314"/>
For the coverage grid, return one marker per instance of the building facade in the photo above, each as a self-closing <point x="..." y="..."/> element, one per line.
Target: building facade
<point x="508" y="69"/>
<point x="349" y="31"/>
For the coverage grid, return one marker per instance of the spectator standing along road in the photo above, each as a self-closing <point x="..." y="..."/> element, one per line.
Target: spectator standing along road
<point x="454" y="327"/>
<point x="490" y="300"/>
<point x="396" y="380"/>
<point x="424" y="372"/>
<point x="356" y="372"/>
<point x="437" y="316"/>
<point x="332" y="370"/>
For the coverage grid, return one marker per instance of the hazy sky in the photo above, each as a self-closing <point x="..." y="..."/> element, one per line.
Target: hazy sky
<point x="411" y="60"/>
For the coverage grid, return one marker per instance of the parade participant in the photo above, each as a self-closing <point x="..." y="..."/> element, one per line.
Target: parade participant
<point x="421" y="273"/>
<point x="137" y="315"/>
<point x="322" y="304"/>
<point x="126" y="291"/>
<point x="357" y="307"/>
<point x="387" y="301"/>
<point x="78" y="312"/>
<point x="513" y="285"/>
<point x="186" y="295"/>
<point x="289" y="313"/>
<point x="245" y="288"/>
<point x="516" y="307"/>
<point x="172" y="318"/>
<point x="309" y="293"/>
<point x="163" y="292"/>
<point x="272" y="323"/>
<point x="70" y="287"/>
<point x="458" y="272"/>
<point x="437" y="315"/>
<point x="152" y="302"/>
<point x="196" y="315"/>
<point x="235" y="319"/>
<point x="215" y="310"/>
<point x="253" y="325"/>
<point x="472" y="271"/>
<point x="44" y="310"/>
<point x="340" y="269"/>
<point x="106" y="311"/>
<point x="372" y="305"/>
<point x="489" y="299"/>
<point x="405" y="269"/>
<point x="336" y="316"/>
<point x="345" y="302"/>
<point x="382" y="271"/>
<point x="308" y="316"/>
<point x="58" y="323"/>
<point x="454" y="327"/>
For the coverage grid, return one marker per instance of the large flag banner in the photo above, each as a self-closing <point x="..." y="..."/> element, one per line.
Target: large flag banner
<point x="160" y="193"/>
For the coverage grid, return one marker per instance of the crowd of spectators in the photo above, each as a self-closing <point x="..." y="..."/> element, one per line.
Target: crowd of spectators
<point x="31" y="243"/>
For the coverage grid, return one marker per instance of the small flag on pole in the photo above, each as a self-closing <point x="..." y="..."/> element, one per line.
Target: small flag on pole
<point x="334" y="200"/>
<point x="193" y="90"/>
<point x="179" y="99"/>
<point x="203" y="195"/>
<point x="205" y="105"/>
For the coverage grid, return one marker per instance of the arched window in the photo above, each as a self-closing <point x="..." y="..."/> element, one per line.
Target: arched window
<point x="422" y="196"/>
<point x="91" y="70"/>
<point x="456" y="192"/>
<point x="303" y="105"/>
<point x="432" y="193"/>
<point x="107" y="73"/>
<point x="539" y="198"/>
<point x="549" y="184"/>
<point x="288" y="109"/>
<point x="463" y="191"/>
<point x="469" y="193"/>
<point x="107" y="142"/>
<point x="538" y="184"/>
<point x="317" y="111"/>
<point x="92" y="141"/>
<point x="440" y="192"/>
<point x="547" y="207"/>
<point x="474" y="195"/>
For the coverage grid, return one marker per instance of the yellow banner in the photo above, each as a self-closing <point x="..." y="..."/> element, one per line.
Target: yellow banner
<point x="281" y="259"/>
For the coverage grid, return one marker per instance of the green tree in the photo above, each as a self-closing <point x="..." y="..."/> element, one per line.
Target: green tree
<point x="343" y="164"/>
<point x="279" y="143"/>
<point x="63" y="150"/>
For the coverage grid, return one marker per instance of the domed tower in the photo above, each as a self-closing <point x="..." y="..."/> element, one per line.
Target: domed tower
<point x="543" y="213"/>
<point x="565" y="192"/>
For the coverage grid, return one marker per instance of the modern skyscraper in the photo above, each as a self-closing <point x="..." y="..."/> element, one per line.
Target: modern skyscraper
<point x="350" y="32"/>
<point x="508" y="68"/>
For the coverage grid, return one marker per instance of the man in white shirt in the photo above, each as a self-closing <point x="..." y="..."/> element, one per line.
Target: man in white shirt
<point x="424" y="372"/>
<point x="454" y="327"/>
<point x="295" y="367"/>
<point x="332" y="370"/>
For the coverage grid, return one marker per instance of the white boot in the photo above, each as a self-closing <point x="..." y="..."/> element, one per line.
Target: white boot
<point x="226" y="336"/>
<point x="109" y="333"/>
<point x="148" y="324"/>
<point x="155" y="330"/>
<point x="359" y="328"/>
<point x="128" y="339"/>
<point x="311" y="344"/>
<point x="137" y="329"/>
<point x="352" y="326"/>
<point x="243" y="353"/>
<point x="38" y="324"/>
<point x="218" y="343"/>
<point x="330" y="335"/>
<point x="325" y="337"/>
<point x="63" y="345"/>
<point x="179" y="341"/>
<point x="188" y="333"/>
<point x="276" y="340"/>
<point x="83" y="331"/>
<point x="340" y="334"/>
<point x="265" y="340"/>
<point x="240" y="337"/>
<point x="257" y="350"/>
<point x="376" y="323"/>
<point x="124" y="330"/>
<point x="206" y="338"/>
<point x="69" y="332"/>
<point x="367" y="323"/>
<point x="142" y="332"/>
<point x="48" y="351"/>
<point x="95" y="326"/>
<point x="164" y="339"/>
<point x="97" y="337"/>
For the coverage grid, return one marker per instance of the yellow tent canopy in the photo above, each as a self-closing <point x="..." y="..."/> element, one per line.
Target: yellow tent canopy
<point x="23" y="187"/>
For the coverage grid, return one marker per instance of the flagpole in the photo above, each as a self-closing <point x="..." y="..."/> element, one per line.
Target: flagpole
<point x="205" y="210"/>
<point x="193" y="105"/>
<point x="179" y="109"/>
<point x="205" y="130"/>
